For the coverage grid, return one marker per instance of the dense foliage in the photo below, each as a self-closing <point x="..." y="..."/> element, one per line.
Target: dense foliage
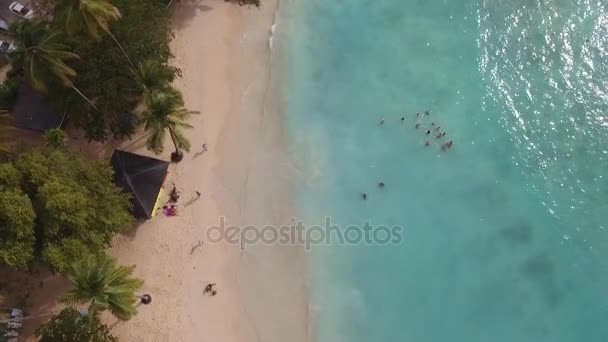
<point x="69" y="326"/>
<point x="103" y="285"/>
<point x="71" y="205"/>
<point x="105" y="75"/>
<point x="16" y="220"/>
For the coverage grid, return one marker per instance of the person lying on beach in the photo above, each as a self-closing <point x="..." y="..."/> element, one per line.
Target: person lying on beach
<point x="205" y="147"/>
<point x="170" y="210"/>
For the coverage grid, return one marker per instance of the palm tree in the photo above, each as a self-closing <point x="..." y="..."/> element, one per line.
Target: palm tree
<point x="99" y="282"/>
<point x="39" y="54"/>
<point x="153" y="77"/>
<point x="90" y="16"/>
<point x="165" y="112"/>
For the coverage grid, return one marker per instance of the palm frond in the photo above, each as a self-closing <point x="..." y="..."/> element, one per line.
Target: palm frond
<point x="103" y="284"/>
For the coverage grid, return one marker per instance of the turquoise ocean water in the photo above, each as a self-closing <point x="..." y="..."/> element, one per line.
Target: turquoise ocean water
<point x="505" y="235"/>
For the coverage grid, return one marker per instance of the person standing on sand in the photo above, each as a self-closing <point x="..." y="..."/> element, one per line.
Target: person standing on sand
<point x="198" y="194"/>
<point x="174" y="195"/>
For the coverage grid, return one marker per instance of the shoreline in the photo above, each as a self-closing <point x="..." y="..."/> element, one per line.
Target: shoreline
<point x="218" y="46"/>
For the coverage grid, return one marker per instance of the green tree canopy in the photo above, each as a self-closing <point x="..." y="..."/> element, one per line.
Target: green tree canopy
<point x="55" y="138"/>
<point x="70" y="326"/>
<point x="103" y="285"/>
<point x="16" y="228"/>
<point x="77" y="207"/>
<point x="104" y="73"/>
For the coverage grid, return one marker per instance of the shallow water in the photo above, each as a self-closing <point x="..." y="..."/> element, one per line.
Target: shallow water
<point x="504" y="238"/>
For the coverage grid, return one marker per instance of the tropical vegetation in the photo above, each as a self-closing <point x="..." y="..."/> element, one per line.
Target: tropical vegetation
<point x="102" y="285"/>
<point x="57" y="208"/>
<point x="165" y="114"/>
<point x="69" y="325"/>
<point x="41" y="57"/>
<point x="111" y="51"/>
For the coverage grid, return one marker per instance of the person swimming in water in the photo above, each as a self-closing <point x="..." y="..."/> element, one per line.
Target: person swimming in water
<point x="381" y="122"/>
<point x="427" y="143"/>
<point x="364" y="195"/>
<point x="427" y="112"/>
<point x="417" y="125"/>
<point x="437" y="129"/>
<point x="428" y="131"/>
<point x="438" y="136"/>
<point x="402" y="119"/>
<point x="381" y="184"/>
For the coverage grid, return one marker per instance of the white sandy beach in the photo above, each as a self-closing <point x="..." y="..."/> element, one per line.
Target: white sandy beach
<point x="222" y="50"/>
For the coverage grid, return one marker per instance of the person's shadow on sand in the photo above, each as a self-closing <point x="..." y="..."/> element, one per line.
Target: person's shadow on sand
<point x="200" y="152"/>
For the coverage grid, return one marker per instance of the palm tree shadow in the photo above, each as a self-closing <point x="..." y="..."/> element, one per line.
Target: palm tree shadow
<point x="191" y="201"/>
<point x="197" y="154"/>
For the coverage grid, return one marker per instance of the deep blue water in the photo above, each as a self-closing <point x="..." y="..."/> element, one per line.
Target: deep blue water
<point x="505" y="235"/>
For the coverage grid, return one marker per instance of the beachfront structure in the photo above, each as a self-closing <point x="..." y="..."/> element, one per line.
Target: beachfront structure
<point x="141" y="176"/>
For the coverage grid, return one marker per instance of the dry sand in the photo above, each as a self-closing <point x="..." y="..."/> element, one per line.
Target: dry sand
<point x="223" y="52"/>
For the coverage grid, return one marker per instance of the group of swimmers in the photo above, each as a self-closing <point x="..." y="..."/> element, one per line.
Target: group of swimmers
<point x="433" y="129"/>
